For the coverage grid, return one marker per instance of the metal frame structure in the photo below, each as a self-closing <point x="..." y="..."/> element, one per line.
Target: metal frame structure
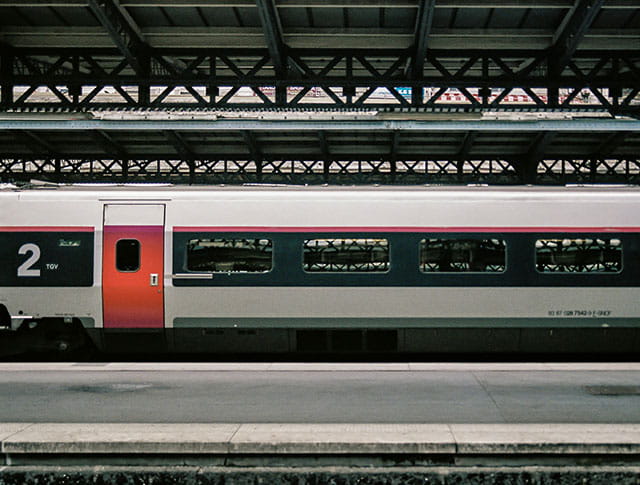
<point x="460" y="55"/>
<point x="330" y="152"/>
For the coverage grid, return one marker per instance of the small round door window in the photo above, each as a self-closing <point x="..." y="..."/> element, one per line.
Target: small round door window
<point x="128" y="255"/>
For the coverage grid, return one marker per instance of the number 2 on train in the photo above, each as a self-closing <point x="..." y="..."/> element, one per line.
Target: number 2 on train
<point x="26" y="268"/>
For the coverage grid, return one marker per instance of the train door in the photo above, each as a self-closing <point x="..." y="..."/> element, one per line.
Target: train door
<point x="133" y="266"/>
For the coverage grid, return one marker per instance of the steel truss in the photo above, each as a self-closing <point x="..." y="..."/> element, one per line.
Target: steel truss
<point x="450" y="80"/>
<point x="555" y="171"/>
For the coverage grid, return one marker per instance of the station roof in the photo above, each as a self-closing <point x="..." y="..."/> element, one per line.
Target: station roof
<point x="320" y="24"/>
<point x="360" y="138"/>
<point x="406" y="58"/>
<point x="345" y="48"/>
<point x="306" y="151"/>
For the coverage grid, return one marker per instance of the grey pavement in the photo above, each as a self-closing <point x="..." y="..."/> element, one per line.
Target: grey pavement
<point x="332" y="439"/>
<point x="320" y="393"/>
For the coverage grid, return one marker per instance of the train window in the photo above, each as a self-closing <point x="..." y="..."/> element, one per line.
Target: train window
<point x="128" y="255"/>
<point x="346" y="255"/>
<point x="230" y="255"/>
<point x="462" y="255"/>
<point x="579" y="255"/>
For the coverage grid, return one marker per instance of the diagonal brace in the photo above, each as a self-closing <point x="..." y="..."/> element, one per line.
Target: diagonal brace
<point x="572" y="33"/>
<point x="123" y="31"/>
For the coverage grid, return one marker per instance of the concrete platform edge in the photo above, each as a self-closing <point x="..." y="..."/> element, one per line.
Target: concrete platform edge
<point x="229" y="439"/>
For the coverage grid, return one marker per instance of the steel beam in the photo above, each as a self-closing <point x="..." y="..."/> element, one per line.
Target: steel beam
<point x="611" y="144"/>
<point x="343" y="172"/>
<point x="252" y="126"/>
<point x="123" y="31"/>
<point x="181" y="146"/>
<point x="273" y="35"/>
<point x="571" y="34"/>
<point x="550" y="4"/>
<point x="528" y="165"/>
<point x="110" y="146"/>
<point x="38" y="144"/>
<point x="421" y="37"/>
<point x="6" y="74"/>
<point x="484" y="80"/>
<point x="255" y="153"/>
<point x="184" y="151"/>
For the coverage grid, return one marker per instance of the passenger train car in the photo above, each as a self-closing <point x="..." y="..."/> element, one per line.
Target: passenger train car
<point x="324" y="269"/>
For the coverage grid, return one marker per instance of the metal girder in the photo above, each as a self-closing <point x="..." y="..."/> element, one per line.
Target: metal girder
<point x="250" y="141"/>
<point x="425" y="170"/>
<point x="255" y="154"/>
<point x="181" y="146"/>
<point x="528" y="164"/>
<point x="395" y="145"/>
<point x="8" y="60"/>
<point x="123" y="31"/>
<point x="548" y="4"/>
<point x="110" y="146"/>
<point x="539" y="145"/>
<point x="571" y="33"/>
<point x="358" y="151"/>
<point x="247" y="128"/>
<point x="184" y="151"/>
<point x="37" y="143"/>
<point x="610" y="144"/>
<point x="464" y="151"/>
<point x="324" y="145"/>
<point x="6" y="74"/>
<point x="273" y="35"/>
<point x="362" y="79"/>
<point x="423" y="28"/>
<point x="466" y="146"/>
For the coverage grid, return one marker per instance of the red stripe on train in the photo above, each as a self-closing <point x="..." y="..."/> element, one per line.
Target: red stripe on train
<point x="46" y="229"/>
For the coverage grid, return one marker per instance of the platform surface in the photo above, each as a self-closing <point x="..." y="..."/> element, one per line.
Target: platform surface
<point x="318" y="439"/>
<point x="351" y="393"/>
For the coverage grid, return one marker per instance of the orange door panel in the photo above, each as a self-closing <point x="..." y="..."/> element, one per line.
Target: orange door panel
<point x="132" y="276"/>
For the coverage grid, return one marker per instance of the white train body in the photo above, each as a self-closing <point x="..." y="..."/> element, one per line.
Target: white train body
<point x="554" y="259"/>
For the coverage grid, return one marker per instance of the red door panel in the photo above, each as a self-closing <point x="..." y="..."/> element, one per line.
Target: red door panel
<point x="130" y="300"/>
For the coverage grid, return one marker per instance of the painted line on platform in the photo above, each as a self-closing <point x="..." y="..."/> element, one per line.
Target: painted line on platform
<point x="259" y="438"/>
<point x="315" y="367"/>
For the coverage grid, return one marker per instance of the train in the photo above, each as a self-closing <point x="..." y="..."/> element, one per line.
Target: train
<point x="317" y="269"/>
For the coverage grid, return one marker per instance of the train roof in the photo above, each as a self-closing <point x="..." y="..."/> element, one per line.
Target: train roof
<point x="333" y="206"/>
<point x="167" y="190"/>
<point x="166" y="187"/>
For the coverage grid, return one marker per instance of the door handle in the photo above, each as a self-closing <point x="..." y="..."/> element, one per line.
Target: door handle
<point x="153" y="279"/>
<point x="192" y="276"/>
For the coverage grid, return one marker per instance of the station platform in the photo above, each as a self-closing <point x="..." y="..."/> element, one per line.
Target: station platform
<point x="319" y="423"/>
<point x="297" y="453"/>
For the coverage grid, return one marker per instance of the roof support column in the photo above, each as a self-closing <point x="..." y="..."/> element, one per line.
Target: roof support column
<point x="420" y="44"/>
<point x="254" y="152"/>
<point x="463" y="154"/>
<point x="275" y="44"/>
<point x="566" y="41"/>
<point x="6" y="73"/>
<point x="326" y="156"/>
<point x="212" y="89"/>
<point x="144" y="88"/>
<point x="128" y="38"/>
<point x="393" y="154"/>
<point x="528" y="165"/>
<point x="184" y="151"/>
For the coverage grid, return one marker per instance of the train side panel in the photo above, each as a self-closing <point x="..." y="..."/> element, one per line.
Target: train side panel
<point x="49" y="263"/>
<point x="51" y="246"/>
